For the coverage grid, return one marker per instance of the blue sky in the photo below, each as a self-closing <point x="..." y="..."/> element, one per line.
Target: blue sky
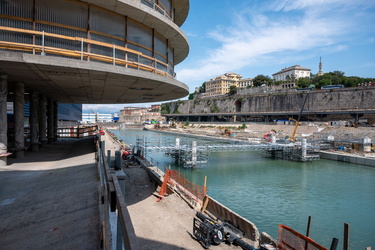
<point x="253" y="37"/>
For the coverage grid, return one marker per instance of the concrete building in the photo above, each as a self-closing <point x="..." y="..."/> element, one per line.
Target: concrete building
<point x="292" y="73"/>
<point x="137" y="115"/>
<point x="81" y="52"/>
<point x="220" y="85"/>
<point x="88" y="118"/>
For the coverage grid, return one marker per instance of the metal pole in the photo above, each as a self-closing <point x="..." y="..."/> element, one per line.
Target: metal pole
<point x="346" y="236"/>
<point x="109" y="158"/>
<point x="82" y="49"/>
<point x="308" y="227"/>
<point x="334" y="243"/>
<point x="114" y="54"/>
<point x="118" y="160"/>
<point x="43" y="44"/>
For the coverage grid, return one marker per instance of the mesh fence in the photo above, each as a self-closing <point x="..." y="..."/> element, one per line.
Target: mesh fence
<point x="191" y="190"/>
<point x="291" y="240"/>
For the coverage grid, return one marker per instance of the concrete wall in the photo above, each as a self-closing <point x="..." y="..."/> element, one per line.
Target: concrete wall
<point x="318" y="100"/>
<point x="348" y="158"/>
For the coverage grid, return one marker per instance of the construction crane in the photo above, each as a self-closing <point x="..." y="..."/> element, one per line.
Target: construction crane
<point x="297" y="122"/>
<point x="293" y="137"/>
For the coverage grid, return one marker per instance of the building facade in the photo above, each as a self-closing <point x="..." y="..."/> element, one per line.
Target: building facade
<point x="220" y="85"/>
<point x="292" y="73"/>
<point x="138" y="115"/>
<point x="87" y="51"/>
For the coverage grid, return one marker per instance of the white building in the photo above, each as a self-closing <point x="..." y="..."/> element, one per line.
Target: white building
<point x="96" y="117"/>
<point x="291" y="73"/>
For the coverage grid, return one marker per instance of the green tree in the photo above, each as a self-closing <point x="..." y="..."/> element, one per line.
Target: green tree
<point x="261" y="79"/>
<point x="232" y="90"/>
<point x="304" y="82"/>
<point x="202" y="88"/>
<point x="191" y="96"/>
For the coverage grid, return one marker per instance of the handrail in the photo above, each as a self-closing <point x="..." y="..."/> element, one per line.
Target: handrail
<point x="83" y="54"/>
<point x="113" y="198"/>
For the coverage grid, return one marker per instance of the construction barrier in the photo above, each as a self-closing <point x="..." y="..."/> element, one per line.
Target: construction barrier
<point x="190" y="190"/>
<point x="288" y="239"/>
<point x="223" y="213"/>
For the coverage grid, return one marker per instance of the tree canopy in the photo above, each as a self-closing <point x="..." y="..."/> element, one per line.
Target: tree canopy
<point x="261" y="79"/>
<point x="232" y="90"/>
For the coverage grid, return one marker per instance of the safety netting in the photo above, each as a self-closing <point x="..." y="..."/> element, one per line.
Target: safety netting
<point x="191" y="190"/>
<point x="289" y="239"/>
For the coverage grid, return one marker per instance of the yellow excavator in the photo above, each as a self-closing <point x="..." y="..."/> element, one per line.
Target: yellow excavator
<point x="297" y="123"/>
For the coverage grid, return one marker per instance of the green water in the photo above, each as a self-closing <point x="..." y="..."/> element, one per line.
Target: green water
<point x="269" y="192"/>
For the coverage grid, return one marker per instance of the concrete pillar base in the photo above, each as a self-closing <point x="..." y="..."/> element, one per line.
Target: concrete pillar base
<point x="34" y="147"/>
<point x="3" y="161"/>
<point x="19" y="154"/>
<point x="43" y="143"/>
<point x="50" y="140"/>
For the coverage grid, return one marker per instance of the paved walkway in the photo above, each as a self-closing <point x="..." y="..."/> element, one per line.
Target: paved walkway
<point x="49" y="199"/>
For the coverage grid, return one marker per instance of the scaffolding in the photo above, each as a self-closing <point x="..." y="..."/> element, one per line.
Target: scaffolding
<point x="188" y="154"/>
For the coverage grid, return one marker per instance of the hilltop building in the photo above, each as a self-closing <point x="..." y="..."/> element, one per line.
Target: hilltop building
<point x="292" y="73"/>
<point x="85" y="51"/>
<point x="220" y="85"/>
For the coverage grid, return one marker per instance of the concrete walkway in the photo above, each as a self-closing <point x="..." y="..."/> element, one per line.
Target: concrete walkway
<point x="49" y="199"/>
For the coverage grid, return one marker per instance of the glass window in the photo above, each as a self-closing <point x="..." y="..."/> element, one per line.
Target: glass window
<point x="56" y="12"/>
<point x="160" y="45"/>
<point x="107" y="22"/>
<point x="139" y="34"/>
<point x="165" y="4"/>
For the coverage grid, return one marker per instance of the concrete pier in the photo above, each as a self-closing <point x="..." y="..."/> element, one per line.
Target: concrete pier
<point x="50" y="121"/>
<point x="34" y="119"/>
<point x="356" y="159"/>
<point x="3" y="120"/>
<point x="42" y="120"/>
<point x="19" y="119"/>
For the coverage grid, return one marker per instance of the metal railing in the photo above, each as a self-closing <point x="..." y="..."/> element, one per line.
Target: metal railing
<point x="111" y="197"/>
<point x="77" y="132"/>
<point x="86" y="55"/>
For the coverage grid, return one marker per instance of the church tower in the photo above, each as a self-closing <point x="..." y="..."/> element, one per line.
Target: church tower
<point x="320" y="73"/>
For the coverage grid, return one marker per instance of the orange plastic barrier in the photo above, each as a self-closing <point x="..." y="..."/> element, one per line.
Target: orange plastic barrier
<point x="292" y="240"/>
<point x="191" y="190"/>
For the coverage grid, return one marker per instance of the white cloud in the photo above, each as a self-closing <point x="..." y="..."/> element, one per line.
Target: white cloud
<point x="285" y="26"/>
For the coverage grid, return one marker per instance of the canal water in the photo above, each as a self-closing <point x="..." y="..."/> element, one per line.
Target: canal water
<point x="269" y="192"/>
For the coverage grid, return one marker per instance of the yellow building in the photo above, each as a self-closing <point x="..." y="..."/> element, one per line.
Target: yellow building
<point x="220" y="85"/>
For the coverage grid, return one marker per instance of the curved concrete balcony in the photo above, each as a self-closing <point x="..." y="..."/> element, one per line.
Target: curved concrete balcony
<point x="74" y="81"/>
<point x="153" y="18"/>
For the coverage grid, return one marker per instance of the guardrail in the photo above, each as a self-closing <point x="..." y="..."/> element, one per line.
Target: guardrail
<point x="77" y="132"/>
<point x="85" y="55"/>
<point x="111" y="199"/>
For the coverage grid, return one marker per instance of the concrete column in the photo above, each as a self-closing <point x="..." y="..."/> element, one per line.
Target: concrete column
<point x="19" y="118"/>
<point x="304" y="148"/>
<point x="3" y="120"/>
<point x="34" y="121"/>
<point x="194" y="156"/>
<point x="55" y="120"/>
<point x="273" y="139"/>
<point x="177" y="140"/>
<point x="42" y="120"/>
<point x="50" y="120"/>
